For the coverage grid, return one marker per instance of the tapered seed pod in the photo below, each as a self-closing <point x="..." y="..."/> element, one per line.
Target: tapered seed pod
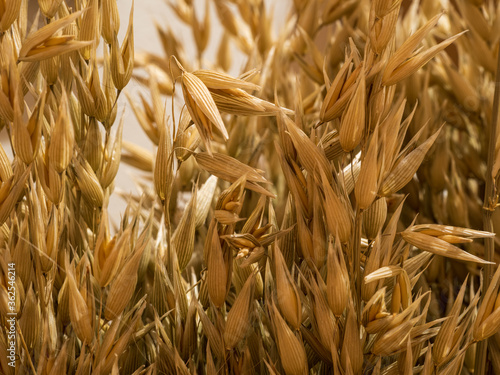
<point x="90" y="27"/>
<point x="351" y="346"/>
<point x="352" y="124"/>
<point x="79" y="312"/>
<point x="367" y="184"/>
<point x="337" y="280"/>
<point x="374" y="218"/>
<point x="337" y="215"/>
<point x="122" y="58"/>
<point x="383" y="24"/>
<point x="9" y="14"/>
<point x="109" y="253"/>
<point x="202" y="108"/>
<point x="190" y="335"/>
<point x="11" y="192"/>
<point x="123" y="286"/>
<point x="163" y="169"/>
<point x="61" y="147"/>
<point x="204" y="200"/>
<point x="110" y="20"/>
<point x="88" y="182"/>
<point x="325" y="320"/>
<point x="447" y="335"/>
<point x="287" y="293"/>
<point x="488" y="315"/>
<point x="30" y="319"/>
<point x="93" y="150"/>
<point x="183" y="237"/>
<point x="406" y="168"/>
<point x="5" y="166"/>
<point x="21" y="139"/>
<point x="112" y="157"/>
<point x="216" y="270"/>
<point x="212" y="334"/>
<point x="238" y="318"/>
<point x="291" y="349"/>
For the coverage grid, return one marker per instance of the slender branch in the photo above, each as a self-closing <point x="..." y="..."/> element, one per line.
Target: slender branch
<point x="488" y="208"/>
<point x="356" y="259"/>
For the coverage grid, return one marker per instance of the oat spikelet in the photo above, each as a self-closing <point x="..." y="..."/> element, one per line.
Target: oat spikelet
<point x="287" y="294"/>
<point x="217" y="274"/>
<point x="238" y="318"/>
<point x="184" y="235"/>
<point x="406" y="168"/>
<point x="337" y="215"/>
<point x="202" y="108"/>
<point x="367" y="184"/>
<point x="291" y="350"/>
<point x="42" y="44"/>
<point x="337" y="280"/>
<point x="79" y="312"/>
<point x="352" y="124"/>
<point x="122" y="288"/>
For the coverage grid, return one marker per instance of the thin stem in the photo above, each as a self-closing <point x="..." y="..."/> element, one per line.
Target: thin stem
<point x="488" y="208"/>
<point x="356" y="249"/>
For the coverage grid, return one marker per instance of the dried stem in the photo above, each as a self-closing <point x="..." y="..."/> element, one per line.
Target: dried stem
<point x="356" y="255"/>
<point x="488" y="209"/>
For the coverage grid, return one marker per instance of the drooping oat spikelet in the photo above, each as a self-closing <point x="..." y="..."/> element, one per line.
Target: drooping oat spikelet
<point x="123" y="286"/>
<point x="80" y="314"/>
<point x="439" y="246"/>
<point x="183" y="237"/>
<point x="163" y="169"/>
<point x="122" y="58"/>
<point x="202" y="108"/>
<point x="291" y="350"/>
<point x="238" y="319"/>
<point x="337" y="214"/>
<point x="353" y="119"/>
<point x="60" y="149"/>
<point x="217" y="274"/>
<point x="374" y="218"/>
<point x="43" y="44"/>
<point x="351" y="346"/>
<point x="287" y="295"/>
<point x="337" y="281"/>
<point x="230" y="169"/>
<point x="405" y="169"/>
<point x="488" y="314"/>
<point x="367" y="183"/>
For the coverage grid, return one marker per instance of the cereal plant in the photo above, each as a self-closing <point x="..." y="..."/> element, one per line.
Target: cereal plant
<point x="326" y="208"/>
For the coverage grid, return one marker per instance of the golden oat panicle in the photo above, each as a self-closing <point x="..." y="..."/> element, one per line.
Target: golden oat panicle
<point x="256" y="239"/>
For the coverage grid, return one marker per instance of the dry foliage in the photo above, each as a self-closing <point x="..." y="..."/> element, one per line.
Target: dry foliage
<point x="320" y="213"/>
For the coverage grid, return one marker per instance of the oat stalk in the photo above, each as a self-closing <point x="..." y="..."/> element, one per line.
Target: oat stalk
<point x="489" y="204"/>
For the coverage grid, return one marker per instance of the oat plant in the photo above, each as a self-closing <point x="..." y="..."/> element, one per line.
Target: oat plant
<point x="328" y="207"/>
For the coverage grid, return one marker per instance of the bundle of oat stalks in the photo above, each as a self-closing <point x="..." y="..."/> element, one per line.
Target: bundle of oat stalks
<point x="313" y="213"/>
